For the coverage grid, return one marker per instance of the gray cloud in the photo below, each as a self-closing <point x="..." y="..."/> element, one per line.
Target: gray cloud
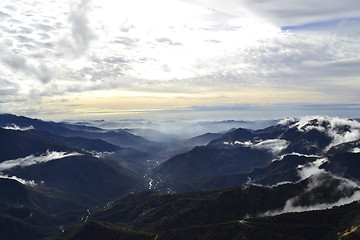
<point x="26" y="30"/>
<point x="23" y="39"/>
<point x="327" y="65"/>
<point x="115" y="60"/>
<point x="4" y="15"/>
<point x="126" y="41"/>
<point x="126" y="27"/>
<point x="168" y="41"/>
<point x="81" y="32"/>
<point x="44" y="27"/>
<point x="20" y="63"/>
<point x="8" y="88"/>
<point x="10" y="7"/>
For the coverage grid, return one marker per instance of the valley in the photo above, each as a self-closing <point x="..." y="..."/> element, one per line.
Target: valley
<point x="286" y="179"/>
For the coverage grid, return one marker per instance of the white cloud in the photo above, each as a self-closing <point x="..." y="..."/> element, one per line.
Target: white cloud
<point x="275" y="146"/>
<point x="17" y="128"/>
<point x="286" y="121"/>
<point x="31" y="160"/>
<point x="20" y="180"/>
<point x="245" y="144"/>
<point x="319" y="178"/>
<point x="290" y="207"/>
<point x="191" y="46"/>
<point x="311" y="169"/>
<point x="81" y="32"/>
<point x="19" y="63"/>
<point x="339" y="129"/>
<point x="355" y="150"/>
<point x="300" y="155"/>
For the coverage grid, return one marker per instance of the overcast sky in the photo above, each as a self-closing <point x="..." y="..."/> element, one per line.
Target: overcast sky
<point x="223" y="59"/>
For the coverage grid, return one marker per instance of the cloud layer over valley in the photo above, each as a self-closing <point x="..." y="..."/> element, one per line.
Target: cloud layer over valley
<point x="31" y="160"/>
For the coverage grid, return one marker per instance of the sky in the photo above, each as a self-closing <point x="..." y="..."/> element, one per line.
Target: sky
<point x="214" y="59"/>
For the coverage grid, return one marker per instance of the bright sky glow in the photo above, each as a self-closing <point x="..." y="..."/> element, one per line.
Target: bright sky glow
<point x="243" y="59"/>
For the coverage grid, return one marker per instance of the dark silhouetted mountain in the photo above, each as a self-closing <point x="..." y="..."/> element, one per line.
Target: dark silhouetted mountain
<point x="17" y="195"/>
<point x="36" y="211"/>
<point x="119" y="138"/>
<point x="345" y="164"/>
<point x="168" y="211"/>
<point x="199" y="128"/>
<point x="53" y="127"/>
<point x="240" y="134"/>
<point x="163" y="212"/>
<point x="203" y="212"/>
<point x="201" y="140"/>
<point x="66" y="177"/>
<point x="307" y="142"/>
<point x="188" y="171"/>
<point x="12" y="228"/>
<point x="330" y="224"/>
<point x="181" y="146"/>
<point x="152" y="135"/>
<point x="90" y="144"/>
<point x="19" y="144"/>
<point x="344" y="147"/>
<point x="284" y="170"/>
<point x="105" y="231"/>
<point x="244" y="135"/>
<point x="96" y="179"/>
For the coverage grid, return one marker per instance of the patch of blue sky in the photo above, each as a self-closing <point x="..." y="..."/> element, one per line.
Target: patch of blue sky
<point x="343" y="24"/>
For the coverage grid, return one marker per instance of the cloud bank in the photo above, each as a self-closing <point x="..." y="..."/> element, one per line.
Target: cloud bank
<point x="339" y="129"/>
<point x="31" y="160"/>
<point x="275" y="146"/>
<point x="30" y="183"/>
<point x="17" y="128"/>
<point x="320" y="179"/>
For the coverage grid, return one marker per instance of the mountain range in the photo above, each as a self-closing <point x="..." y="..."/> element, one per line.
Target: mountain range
<point x="297" y="179"/>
